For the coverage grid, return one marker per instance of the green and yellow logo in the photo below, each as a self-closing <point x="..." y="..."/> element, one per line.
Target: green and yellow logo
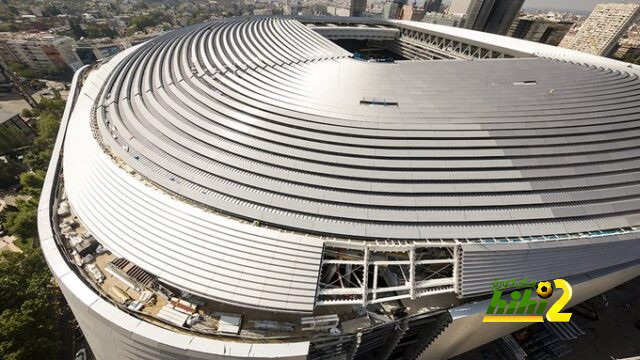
<point x="522" y="308"/>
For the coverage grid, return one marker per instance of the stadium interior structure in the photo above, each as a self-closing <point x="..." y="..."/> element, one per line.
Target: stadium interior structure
<point x="246" y="188"/>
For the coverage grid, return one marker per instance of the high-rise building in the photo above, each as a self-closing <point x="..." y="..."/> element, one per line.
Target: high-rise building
<point x="602" y="30"/>
<point x="411" y="12"/>
<point x="459" y="7"/>
<point x="539" y="30"/>
<point x="90" y="51"/>
<point x="629" y="47"/>
<point x="391" y="9"/>
<point x="493" y="16"/>
<point x="357" y="7"/>
<point x="337" y="11"/>
<point x="444" y="19"/>
<point x="291" y="7"/>
<point x="39" y="51"/>
<point x="432" y="6"/>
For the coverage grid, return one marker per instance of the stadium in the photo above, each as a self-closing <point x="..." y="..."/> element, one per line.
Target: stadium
<point x="256" y="188"/>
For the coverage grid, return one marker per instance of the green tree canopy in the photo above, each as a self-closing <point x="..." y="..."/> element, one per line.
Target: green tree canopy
<point x="26" y="113"/>
<point x="11" y="139"/>
<point x="141" y="22"/>
<point x="101" y="31"/>
<point x="48" y="122"/>
<point x="76" y="30"/>
<point x="30" y="308"/>
<point x="31" y="305"/>
<point x="9" y="172"/>
<point x="32" y="182"/>
<point x="24" y="222"/>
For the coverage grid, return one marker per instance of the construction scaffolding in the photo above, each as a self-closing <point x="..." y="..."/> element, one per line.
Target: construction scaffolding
<point x="373" y="274"/>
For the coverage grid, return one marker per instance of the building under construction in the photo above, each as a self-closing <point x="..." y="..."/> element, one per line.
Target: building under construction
<point x="246" y="188"/>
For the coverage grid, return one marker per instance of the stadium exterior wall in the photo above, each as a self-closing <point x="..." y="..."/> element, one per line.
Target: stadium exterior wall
<point x="467" y="319"/>
<point x="111" y="332"/>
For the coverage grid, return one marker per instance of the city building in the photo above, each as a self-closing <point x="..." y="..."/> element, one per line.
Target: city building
<point x="459" y="7"/>
<point x="337" y="11"/>
<point x="262" y="12"/>
<point x="444" y="19"/>
<point x="391" y="9"/>
<point x="570" y="35"/>
<point x="493" y="16"/>
<point x="538" y="29"/>
<point x="248" y="189"/>
<point x="14" y="121"/>
<point x="411" y="12"/>
<point x="358" y="7"/>
<point x="629" y="47"/>
<point x="602" y="30"/>
<point x="39" y="51"/>
<point x="432" y="6"/>
<point x="90" y="51"/>
<point x="628" y="50"/>
<point x="5" y="84"/>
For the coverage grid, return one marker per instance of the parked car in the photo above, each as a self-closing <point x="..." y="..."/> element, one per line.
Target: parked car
<point x="81" y="354"/>
<point x="3" y="232"/>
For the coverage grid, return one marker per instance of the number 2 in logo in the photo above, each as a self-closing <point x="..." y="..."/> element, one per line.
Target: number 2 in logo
<point x="554" y="313"/>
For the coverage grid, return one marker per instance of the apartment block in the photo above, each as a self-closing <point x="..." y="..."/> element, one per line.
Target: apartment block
<point x="39" y="51"/>
<point x="601" y="32"/>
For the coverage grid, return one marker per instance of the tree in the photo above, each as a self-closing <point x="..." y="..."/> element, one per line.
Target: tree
<point x="9" y="172"/>
<point x="32" y="182"/>
<point x="49" y="116"/>
<point x="39" y="154"/>
<point x="31" y="305"/>
<point x="76" y="30"/>
<point x="50" y="11"/>
<point x="8" y="27"/>
<point x="30" y="308"/>
<point x="26" y="113"/>
<point x="7" y="209"/>
<point x="55" y="105"/>
<point x="24" y="222"/>
<point x="11" y="139"/>
<point x="100" y="31"/>
<point x="22" y="70"/>
<point x="141" y="22"/>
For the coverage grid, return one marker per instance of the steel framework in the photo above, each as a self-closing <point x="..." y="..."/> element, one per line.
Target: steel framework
<point x="372" y="274"/>
<point x="418" y="45"/>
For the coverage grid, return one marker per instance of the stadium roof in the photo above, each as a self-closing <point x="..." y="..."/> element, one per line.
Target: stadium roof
<point x="267" y="121"/>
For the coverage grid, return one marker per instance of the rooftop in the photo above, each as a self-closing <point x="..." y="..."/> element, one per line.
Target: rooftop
<point x="256" y="164"/>
<point x="6" y="115"/>
<point x="457" y="159"/>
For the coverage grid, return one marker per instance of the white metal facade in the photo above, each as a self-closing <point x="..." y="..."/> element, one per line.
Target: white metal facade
<point x="128" y="198"/>
<point x="112" y="333"/>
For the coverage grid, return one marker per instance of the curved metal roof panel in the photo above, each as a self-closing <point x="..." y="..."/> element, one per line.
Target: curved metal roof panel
<point x="173" y="142"/>
<point x="266" y="120"/>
